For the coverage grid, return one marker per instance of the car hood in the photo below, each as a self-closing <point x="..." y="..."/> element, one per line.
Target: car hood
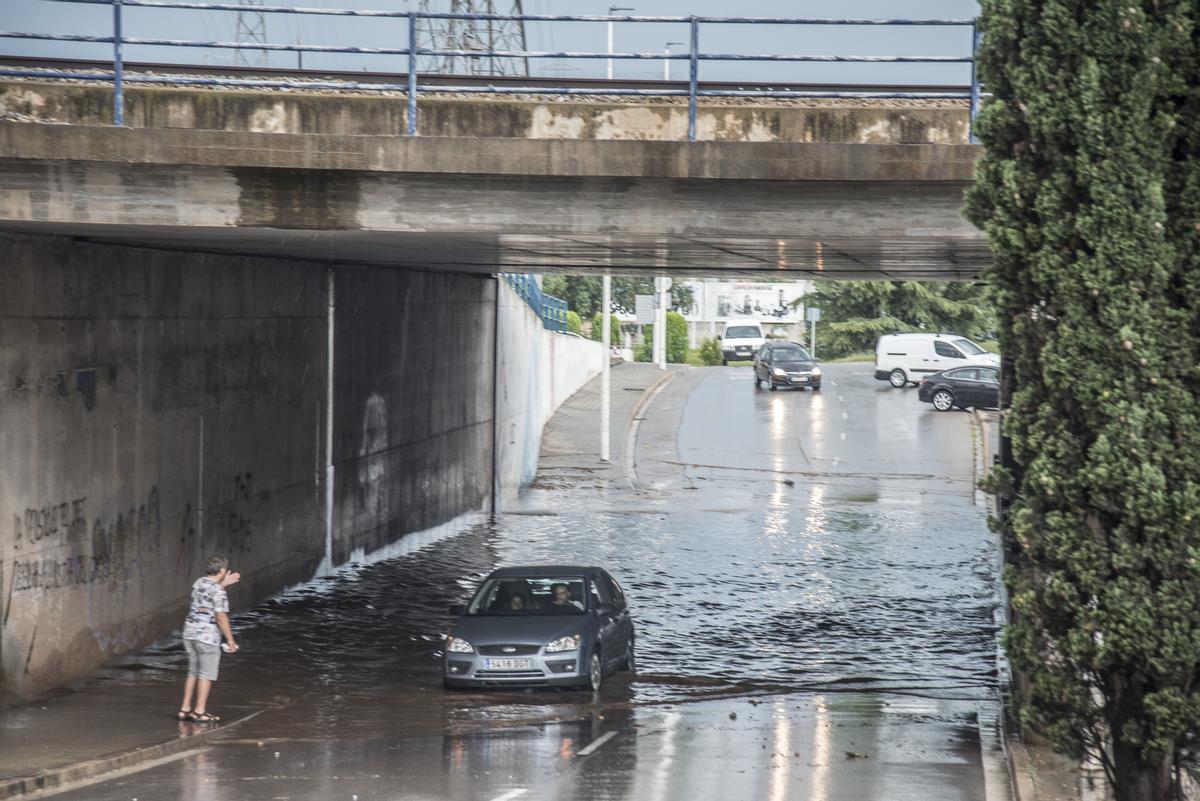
<point x="518" y="629"/>
<point x="992" y="359"/>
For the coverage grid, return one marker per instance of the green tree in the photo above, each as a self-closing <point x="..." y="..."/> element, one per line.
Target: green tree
<point x="574" y="323"/>
<point x="710" y="351"/>
<point x="1089" y="193"/>
<point x="583" y="293"/>
<point x="624" y="289"/>
<point x="854" y="314"/>
<point x="614" y="326"/>
<point x="677" y="340"/>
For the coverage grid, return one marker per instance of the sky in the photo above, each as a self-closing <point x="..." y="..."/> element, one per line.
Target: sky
<point x="52" y="16"/>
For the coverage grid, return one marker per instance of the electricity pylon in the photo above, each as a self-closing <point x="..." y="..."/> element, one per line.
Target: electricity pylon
<point x="472" y="34"/>
<point x="251" y="29"/>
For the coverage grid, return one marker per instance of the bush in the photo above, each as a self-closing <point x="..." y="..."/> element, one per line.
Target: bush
<point x="614" y="325"/>
<point x="677" y="340"/>
<point x="574" y="323"/>
<point x="710" y="351"/>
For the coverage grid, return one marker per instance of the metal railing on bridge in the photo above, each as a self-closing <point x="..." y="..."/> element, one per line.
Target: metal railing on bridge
<point x="412" y="86"/>
<point x="552" y="310"/>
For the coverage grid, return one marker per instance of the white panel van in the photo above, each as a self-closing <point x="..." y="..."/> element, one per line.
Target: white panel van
<point x="904" y="358"/>
<point x="740" y="341"/>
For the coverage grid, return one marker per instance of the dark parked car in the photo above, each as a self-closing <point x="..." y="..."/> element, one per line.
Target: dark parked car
<point x="785" y="364"/>
<point x="555" y="625"/>
<point x="964" y="387"/>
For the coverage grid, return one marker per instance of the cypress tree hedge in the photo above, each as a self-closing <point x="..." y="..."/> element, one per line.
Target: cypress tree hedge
<point x="1089" y="193"/>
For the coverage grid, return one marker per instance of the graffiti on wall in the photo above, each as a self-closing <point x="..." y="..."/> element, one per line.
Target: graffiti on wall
<point x="53" y="545"/>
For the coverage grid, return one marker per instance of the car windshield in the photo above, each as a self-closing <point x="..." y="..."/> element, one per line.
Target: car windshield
<point x="518" y="595"/>
<point x="792" y="353"/>
<point x="743" y="332"/>
<point x="968" y="347"/>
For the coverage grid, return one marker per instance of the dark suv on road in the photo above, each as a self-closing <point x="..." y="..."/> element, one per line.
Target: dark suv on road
<point x="554" y="625"/>
<point x="785" y="364"/>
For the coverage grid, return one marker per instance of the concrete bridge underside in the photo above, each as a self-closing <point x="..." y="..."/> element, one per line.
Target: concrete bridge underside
<point x="512" y="205"/>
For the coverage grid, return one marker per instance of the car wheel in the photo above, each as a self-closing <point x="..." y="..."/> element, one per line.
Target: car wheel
<point x="630" y="663"/>
<point x="595" y="672"/>
<point x="724" y="362"/>
<point x="816" y="388"/>
<point x="771" y="385"/>
<point x="943" y="401"/>
<point x="897" y="378"/>
<point x="757" y="382"/>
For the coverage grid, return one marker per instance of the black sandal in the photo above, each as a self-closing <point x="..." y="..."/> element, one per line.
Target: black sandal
<point x="204" y="717"/>
<point x="183" y="714"/>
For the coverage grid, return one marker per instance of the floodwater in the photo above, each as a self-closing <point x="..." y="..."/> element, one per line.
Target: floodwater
<point x="824" y="555"/>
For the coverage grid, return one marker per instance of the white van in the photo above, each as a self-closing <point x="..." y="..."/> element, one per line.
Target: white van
<point x="740" y="341"/>
<point x="904" y="358"/>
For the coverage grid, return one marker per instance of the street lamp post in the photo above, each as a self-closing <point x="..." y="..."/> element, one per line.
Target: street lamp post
<point x="611" y="11"/>
<point x="667" y="61"/>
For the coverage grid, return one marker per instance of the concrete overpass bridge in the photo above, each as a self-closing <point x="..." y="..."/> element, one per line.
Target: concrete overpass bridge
<point x="268" y="325"/>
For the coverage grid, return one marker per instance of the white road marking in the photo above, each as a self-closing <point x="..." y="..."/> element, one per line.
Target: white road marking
<point x="591" y="747"/>
<point x="511" y="794"/>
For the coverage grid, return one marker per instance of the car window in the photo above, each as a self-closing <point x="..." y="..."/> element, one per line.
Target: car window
<point x="743" y="332"/>
<point x="990" y="376"/>
<point x="616" y="597"/>
<point x="764" y="352"/>
<point x="533" y="595"/>
<point x="790" y="353"/>
<point x="968" y="347"/>
<point x="946" y="349"/>
<point x="964" y="374"/>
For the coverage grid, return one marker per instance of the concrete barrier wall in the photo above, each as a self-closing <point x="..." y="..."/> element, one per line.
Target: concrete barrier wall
<point x="259" y="111"/>
<point x="539" y="369"/>
<point x="413" y="400"/>
<point x="154" y="407"/>
<point x="157" y="406"/>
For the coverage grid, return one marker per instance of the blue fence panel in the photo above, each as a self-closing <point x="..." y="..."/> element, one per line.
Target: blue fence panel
<point x="118" y="77"/>
<point x="552" y="310"/>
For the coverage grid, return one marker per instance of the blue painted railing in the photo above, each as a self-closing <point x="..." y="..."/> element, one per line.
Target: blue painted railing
<point x="552" y="310"/>
<point x="412" y="86"/>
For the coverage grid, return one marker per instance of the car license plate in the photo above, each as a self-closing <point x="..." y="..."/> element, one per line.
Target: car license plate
<point x="510" y="664"/>
<point x="801" y="379"/>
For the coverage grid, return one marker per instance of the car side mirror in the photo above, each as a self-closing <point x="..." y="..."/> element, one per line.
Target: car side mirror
<point x="458" y="610"/>
<point x="605" y="609"/>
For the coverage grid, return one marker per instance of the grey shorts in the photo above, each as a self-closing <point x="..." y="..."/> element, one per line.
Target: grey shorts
<point x="203" y="659"/>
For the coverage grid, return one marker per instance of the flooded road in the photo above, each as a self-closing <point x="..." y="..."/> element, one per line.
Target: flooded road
<point x="813" y="586"/>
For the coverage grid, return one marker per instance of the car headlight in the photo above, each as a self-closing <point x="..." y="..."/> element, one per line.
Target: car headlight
<point x="457" y="645"/>
<point x="563" y="644"/>
<point x="778" y="371"/>
<point x="816" y="371"/>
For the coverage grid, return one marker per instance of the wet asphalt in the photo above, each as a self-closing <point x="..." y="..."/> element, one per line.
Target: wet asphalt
<point x="814" y="587"/>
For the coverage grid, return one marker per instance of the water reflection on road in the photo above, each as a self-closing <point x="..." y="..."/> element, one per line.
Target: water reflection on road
<point x="823" y="555"/>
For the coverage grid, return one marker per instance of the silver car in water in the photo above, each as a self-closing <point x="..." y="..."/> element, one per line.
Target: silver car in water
<point x="556" y="625"/>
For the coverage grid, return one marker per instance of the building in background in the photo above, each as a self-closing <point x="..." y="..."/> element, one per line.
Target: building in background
<point x="779" y="307"/>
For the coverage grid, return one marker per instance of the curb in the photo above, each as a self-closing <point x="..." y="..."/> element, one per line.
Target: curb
<point x="635" y="423"/>
<point x="58" y="779"/>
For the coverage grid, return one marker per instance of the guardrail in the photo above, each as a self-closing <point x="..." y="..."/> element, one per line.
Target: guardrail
<point x="412" y="86"/>
<point x="552" y="310"/>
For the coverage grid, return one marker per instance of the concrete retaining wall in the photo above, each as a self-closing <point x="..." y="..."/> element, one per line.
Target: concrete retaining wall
<point x="154" y="407"/>
<point x="159" y="406"/>
<point x="539" y="370"/>
<point x="864" y="122"/>
<point x="413" y="401"/>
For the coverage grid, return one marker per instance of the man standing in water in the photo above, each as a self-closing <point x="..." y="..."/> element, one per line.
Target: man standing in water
<point x="207" y="620"/>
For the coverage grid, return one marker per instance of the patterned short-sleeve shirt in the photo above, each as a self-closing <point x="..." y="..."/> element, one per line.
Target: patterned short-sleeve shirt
<point x="208" y="598"/>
